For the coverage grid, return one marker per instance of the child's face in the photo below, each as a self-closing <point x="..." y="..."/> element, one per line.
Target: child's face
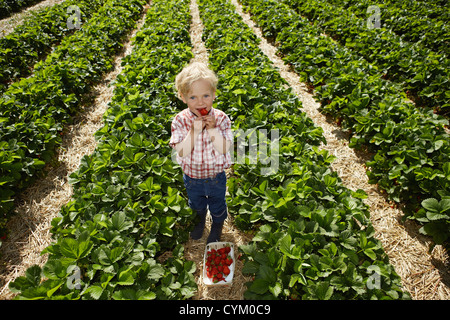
<point x="200" y="96"/>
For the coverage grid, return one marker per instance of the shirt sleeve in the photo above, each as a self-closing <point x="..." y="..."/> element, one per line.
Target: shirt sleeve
<point x="224" y="127"/>
<point x="178" y="131"/>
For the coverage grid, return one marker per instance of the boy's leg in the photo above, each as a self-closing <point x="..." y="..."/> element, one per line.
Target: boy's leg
<point x="216" y="231"/>
<point x="197" y="202"/>
<point x="217" y="206"/>
<point x="197" y="233"/>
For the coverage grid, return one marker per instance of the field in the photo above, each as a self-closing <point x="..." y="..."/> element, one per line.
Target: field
<point x="340" y="186"/>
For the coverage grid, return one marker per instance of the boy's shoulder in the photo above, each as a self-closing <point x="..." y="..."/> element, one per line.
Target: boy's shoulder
<point x="220" y="113"/>
<point x="182" y="114"/>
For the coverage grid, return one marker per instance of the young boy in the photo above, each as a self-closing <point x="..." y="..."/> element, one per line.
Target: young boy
<point x="201" y="136"/>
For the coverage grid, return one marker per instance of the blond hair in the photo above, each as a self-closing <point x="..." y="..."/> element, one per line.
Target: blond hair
<point x="193" y="72"/>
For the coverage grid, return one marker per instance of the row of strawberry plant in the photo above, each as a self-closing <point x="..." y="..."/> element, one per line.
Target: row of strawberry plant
<point x="313" y="237"/>
<point x="423" y="8"/>
<point x="127" y="209"/>
<point x="35" y="109"/>
<point x="411" y="148"/>
<point x="8" y="7"/>
<point x="431" y="9"/>
<point x="410" y="20"/>
<point x="32" y="40"/>
<point x="425" y="74"/>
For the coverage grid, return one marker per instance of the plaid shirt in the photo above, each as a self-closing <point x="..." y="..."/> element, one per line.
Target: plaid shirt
<point x="204" y="161"/>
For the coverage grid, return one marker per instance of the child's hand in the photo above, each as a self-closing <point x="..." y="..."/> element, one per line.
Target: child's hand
<point x="198" y="125"/>
<point x="210" y="121"/>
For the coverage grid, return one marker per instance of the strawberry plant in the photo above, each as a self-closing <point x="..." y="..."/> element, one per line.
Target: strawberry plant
<point x="32" y="40"/>
<point x="419" y="70"/>
<point x="415" y="22"/>
<point x="8" y="7"/>
<point x="435" y="217"/>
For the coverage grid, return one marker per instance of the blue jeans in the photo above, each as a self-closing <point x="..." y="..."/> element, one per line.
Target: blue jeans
<point x="210" y="192"/>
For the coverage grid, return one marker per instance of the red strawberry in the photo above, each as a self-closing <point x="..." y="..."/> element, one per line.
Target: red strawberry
<point x="203" y="112"/>
<point x="229" y="261"/>
<point x="226" y="270"/>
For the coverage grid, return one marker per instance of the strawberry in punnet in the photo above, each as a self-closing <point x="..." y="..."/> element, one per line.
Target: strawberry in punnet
<point x="228" y="261"/>
<point x="218" y="264"/>
<point x="226" y="270"/>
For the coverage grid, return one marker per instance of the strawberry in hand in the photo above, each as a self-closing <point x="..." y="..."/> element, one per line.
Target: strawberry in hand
<point x="203" y="111"/>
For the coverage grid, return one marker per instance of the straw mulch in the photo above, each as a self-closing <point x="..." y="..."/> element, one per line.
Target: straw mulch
<point x="426" y="276"/>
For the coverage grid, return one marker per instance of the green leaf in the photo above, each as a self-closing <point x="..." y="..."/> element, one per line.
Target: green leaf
<point x="54" y="269"/>
<point x="436" y="209"/>
<point x="131" y="294"/>
<point x="250" y="267"/>
<point x="94" y="291"/>
<point x="267" y="273"/>
<point x="370" y="253"/>
<point x="149" y="185"/>
<point x="107" y="256"/>
<point x="321" y="290"/>
<point x="259" y="286"/>
<point x="31" y="279"/>
<point x="276" y="289"/>
<point x="239" y="91"/>
<point x="438" y="230"/>
<point x="271" y="196"/>
<point x="432" y="216"/>
<point x="126" y="277"/>
<point x="55" y="286"/>
<point x="120" y="222"/>
<point x="288" y="248"/>
<point x="33" y="275"/>
<point x="167" y="222"/>
<point x="73" y="249"/>
<point x="285" y="244"/>
<point x="155" y="272"/>
<point x="297" y="277"/>
<point x="431" y="204"/>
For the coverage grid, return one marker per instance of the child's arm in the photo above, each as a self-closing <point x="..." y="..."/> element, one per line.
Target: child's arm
<point x="219" y="142"/>
<point x="186" y="146"/>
